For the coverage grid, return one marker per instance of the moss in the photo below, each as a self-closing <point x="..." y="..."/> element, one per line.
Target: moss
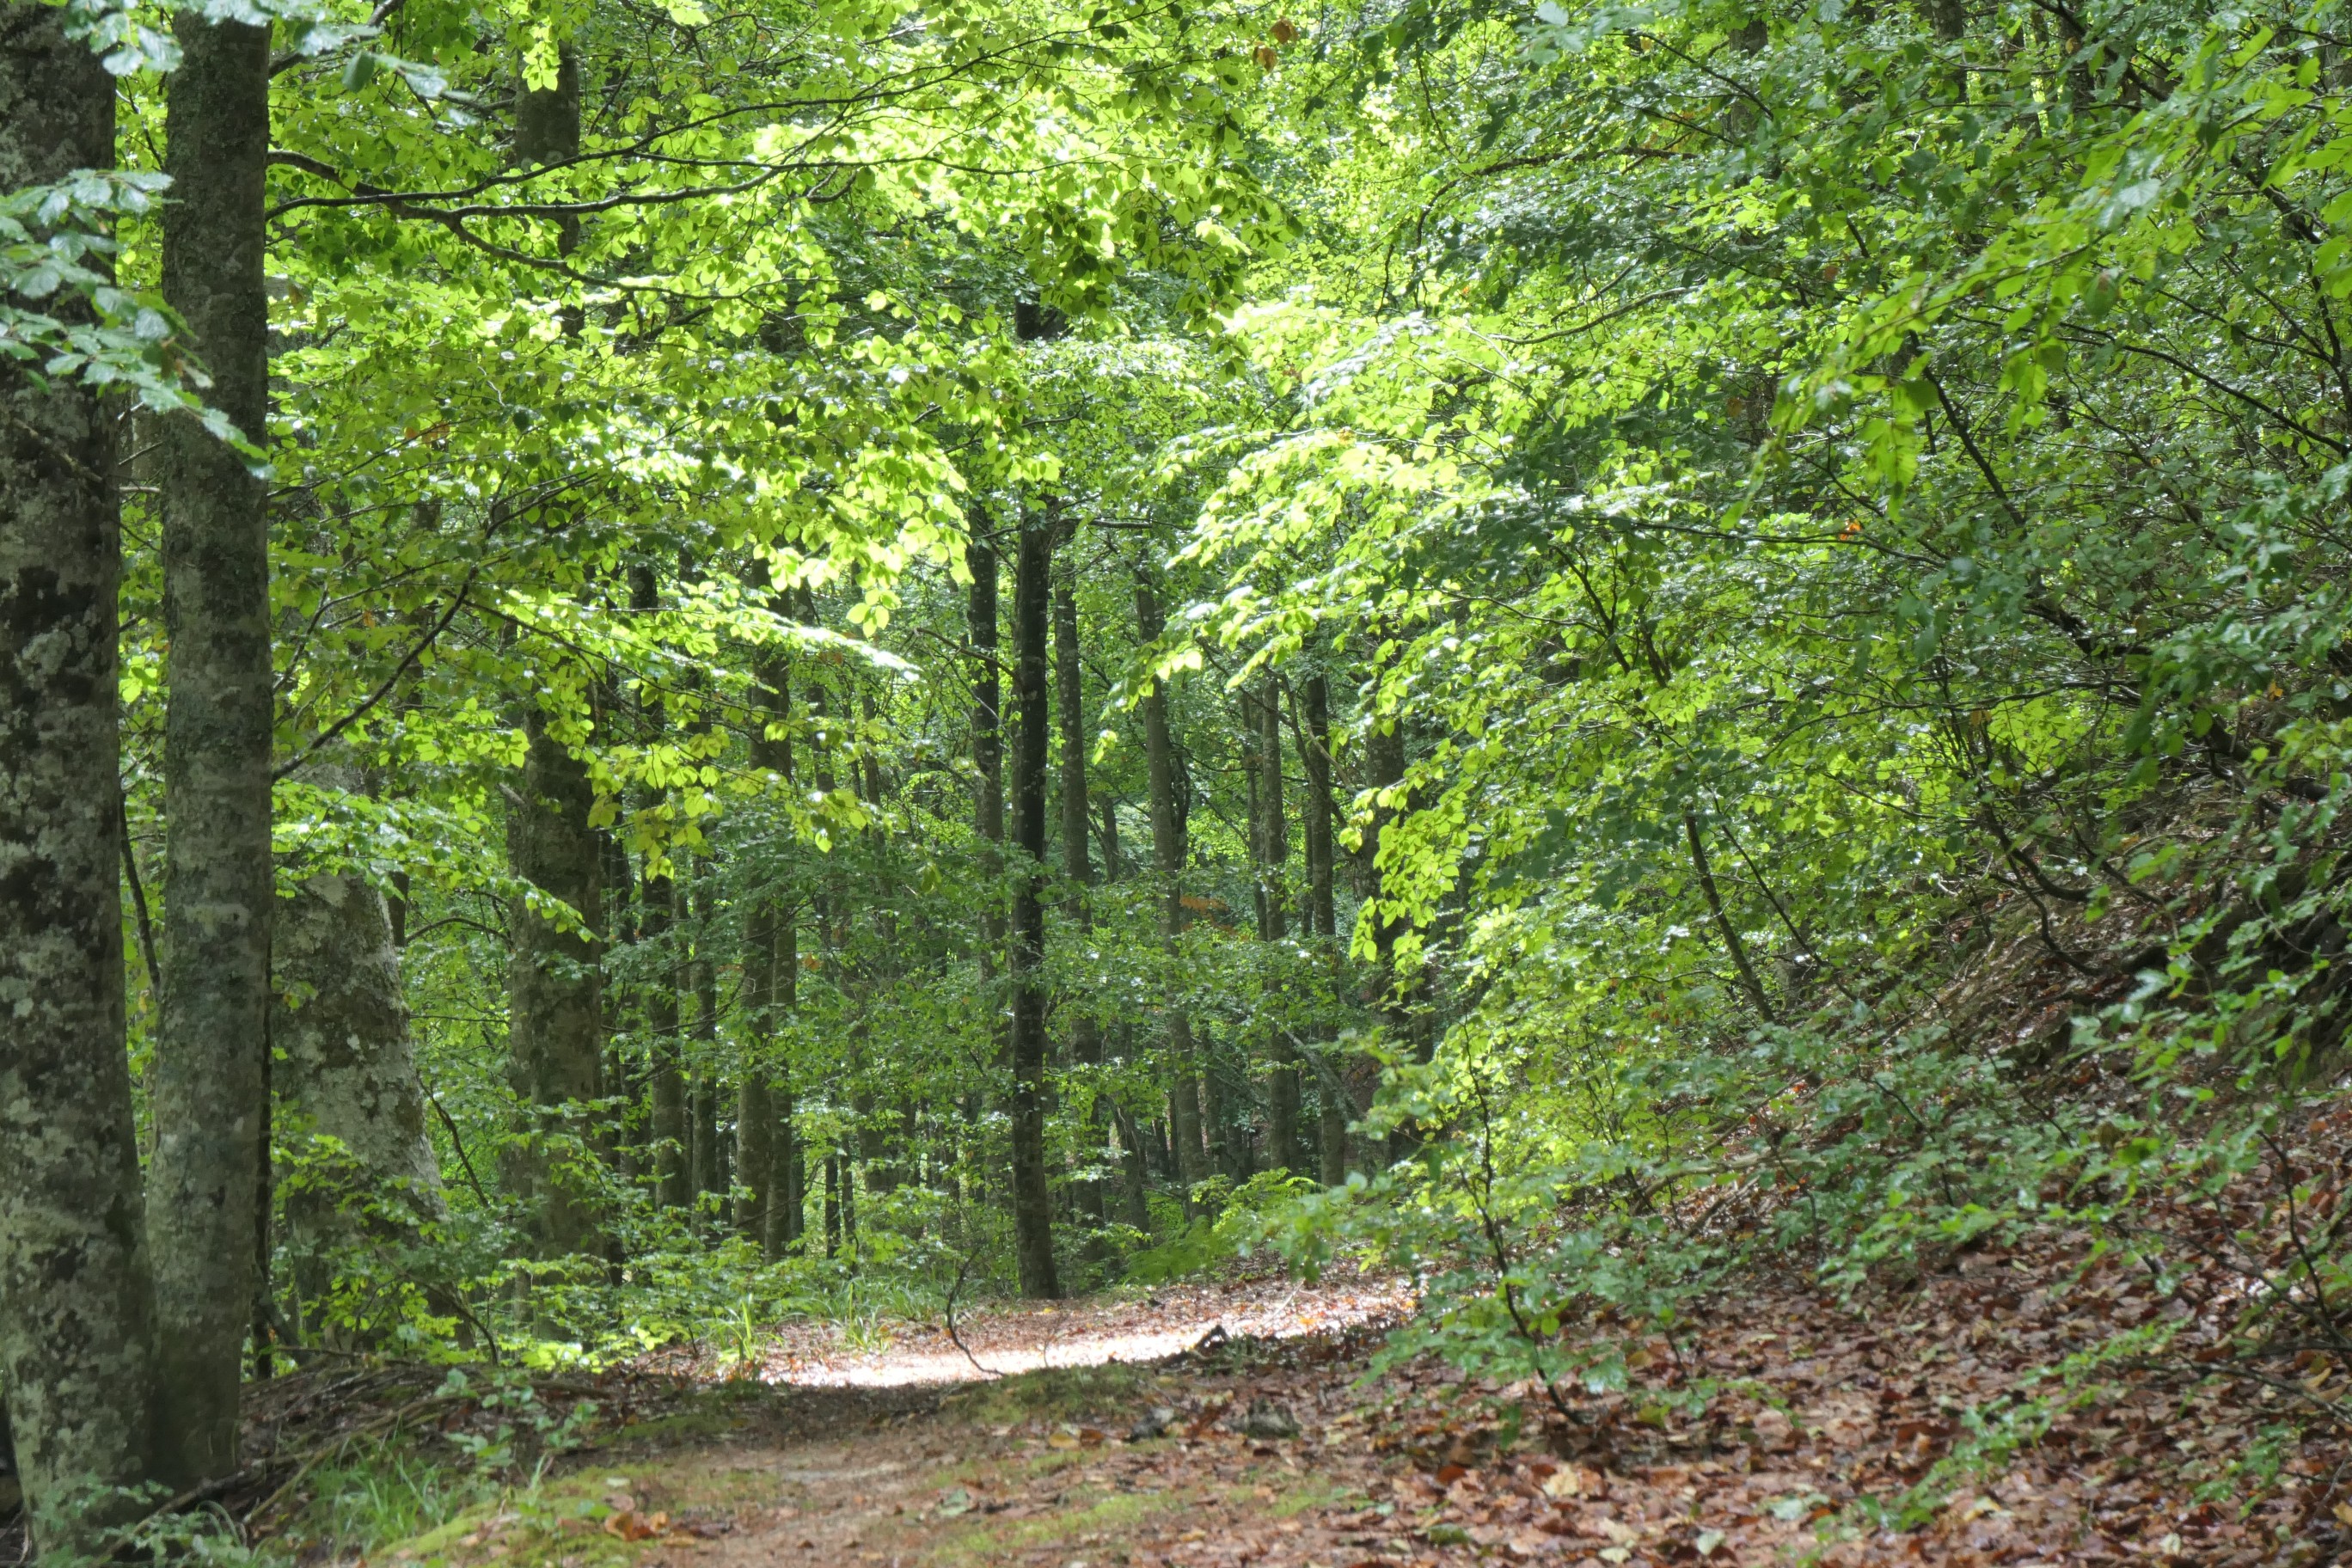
<point x="1106" y="1394"/>
<point x="986" y="1540"/>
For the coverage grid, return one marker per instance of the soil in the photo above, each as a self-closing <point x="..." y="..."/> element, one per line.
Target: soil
<point x="1289" y="1445"/>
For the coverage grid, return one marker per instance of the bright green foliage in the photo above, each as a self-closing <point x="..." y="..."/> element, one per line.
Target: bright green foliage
<point x="1821" y="527"/>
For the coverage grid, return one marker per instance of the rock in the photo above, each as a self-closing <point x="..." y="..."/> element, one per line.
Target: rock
<point x="1155" y="1424"/>
<point x="1268" y="1420"/>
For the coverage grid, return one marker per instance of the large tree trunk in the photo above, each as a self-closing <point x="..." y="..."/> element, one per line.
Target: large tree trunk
<point x="1322" y="917"/>
<point x="77" y="1300"/>
<point x="206" y="1090"/>
<point x="1033" y="1233"/>
<point x="1274" y="861"/>
<point x="556" y="1003"/>
<point x="1168" y="861"/>
<point x="339" y="1019"/>
<point x="1086" y="1030"/>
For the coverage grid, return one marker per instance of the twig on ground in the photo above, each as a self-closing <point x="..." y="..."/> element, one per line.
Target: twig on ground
<point x="962" y="1270"/>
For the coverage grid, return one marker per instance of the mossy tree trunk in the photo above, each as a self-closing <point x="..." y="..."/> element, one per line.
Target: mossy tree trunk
<point x="349" y="1074"/>
<point x="77" y="1299"/>
<point x="206" y="1090"/>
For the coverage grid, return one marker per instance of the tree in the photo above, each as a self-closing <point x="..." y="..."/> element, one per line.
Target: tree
<point x="204" y="1178"/>
<point x="1168" y="863"/>
<point x="77" y="1302"/>
<point x="1032" y="576"/>
<point x="556" y="979"/>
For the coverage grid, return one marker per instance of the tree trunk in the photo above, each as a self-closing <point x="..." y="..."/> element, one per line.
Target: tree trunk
<point x="987" y="749"/>
<point x="1384" y="749"/>
<point x="205" y="1088"/>
<point x="1274" y="860"/>
<point x="755" y="1109"/>
<point x="555" y="993"/>
<point x="1322" y="916"/>
<point x="1731" y="942"/>
<point x="341" y="1023"/>
<point x="709" y="1162"/>
<point x="833" y="1205"/>
<point x="673" y="1169"/>
<point x="556" y="1003"/>
<point x="777" y="950"/>
<point x="1168" y="861"/>
<point x="1086" y="1030"/>
<point x="76" y="1339"/>
<point x="1033" y="1232"/>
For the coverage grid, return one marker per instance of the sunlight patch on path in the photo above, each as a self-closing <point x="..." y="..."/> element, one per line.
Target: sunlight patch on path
<point x="1097" y="1333"/>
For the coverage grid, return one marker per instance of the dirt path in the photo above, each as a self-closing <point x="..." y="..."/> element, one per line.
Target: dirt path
<point x="1789" y="1431"/>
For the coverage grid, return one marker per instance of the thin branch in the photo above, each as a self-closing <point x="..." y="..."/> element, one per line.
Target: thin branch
<point x="327" y="737"/>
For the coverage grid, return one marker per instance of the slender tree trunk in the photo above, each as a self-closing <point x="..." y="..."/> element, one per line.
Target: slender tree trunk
<point x="777" y="948"/>
<point x="1286" y="1153"/>
<point x="1168" y="861"/>
<point x="789" y="1184"/>
<point x="1136" y="1166"/>
<point x="1086" y="1030"/>
<point x="833" y="1205"/>
<point x="205" y="1088"/>
<point x="1384" y="749"/>
<point x="76" y="1336"/>
<point x="755" y="1111"/>
<point x="673" y="1172"/>
<point x="709" y="1162"/>
<point x="987" y="749"/>
<point x="1032" y="1229"/>
<point x="1731" y="942"/>
<point x="555" y="1004"/>
<point x="1322" y="915"/>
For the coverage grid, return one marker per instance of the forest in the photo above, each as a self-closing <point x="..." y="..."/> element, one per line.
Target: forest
<point x="1661" y="670"/>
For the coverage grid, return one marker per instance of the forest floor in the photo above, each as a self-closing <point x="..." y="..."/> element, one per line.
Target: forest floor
<point x="1239" y="1422"/>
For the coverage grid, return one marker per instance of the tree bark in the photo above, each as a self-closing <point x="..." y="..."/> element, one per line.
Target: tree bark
<point x="1273" y="860"/>
<point x="755" y="1111"/>
<point x="769" y="1157"/>
<point x="1385" y="751"/>
<point x="1168" y="861"/>
<point x="987" y="743"/>
<point x="672" y="1165"/>
<point x="350" y="1075"/>
<point x="1731" y="942"/>
<point x="1086" y="1030"/>
<point x="205" y="1089"/>
<point x="76" y="1298"/>
<point x="1033" y="1232"/>
<point x="1322" y="915"/>
<point x="709" y="1160"/>
<point x="556" y="1001"/>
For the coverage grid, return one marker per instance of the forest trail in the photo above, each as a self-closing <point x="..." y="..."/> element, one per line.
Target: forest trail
<point x="1790" y="1429"/>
